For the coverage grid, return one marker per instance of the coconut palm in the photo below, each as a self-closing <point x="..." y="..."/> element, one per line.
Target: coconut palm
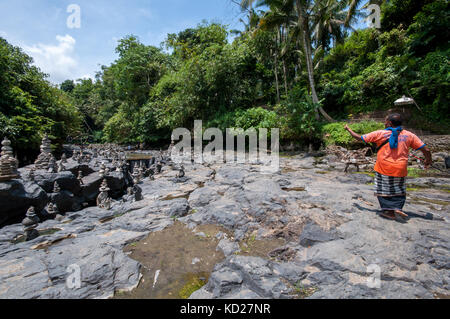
<point x="253" y="18"/>
<point x="312" y="24"/>
<point x="278" y="19"/>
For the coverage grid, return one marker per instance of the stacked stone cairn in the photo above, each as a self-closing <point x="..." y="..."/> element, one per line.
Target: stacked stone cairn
<point x="56" y="188"/>
<point x="102" y="171"/>
<point x="45" y="158"/>
<point x="136" y="175"/>
<point x="169" y="150"/>
<point x="52" y="166"/>
<point x="119" y="165"/>
<point x="103" y="199"/>
<point x="86" y="158"/>
<point x="8" y="164"/>
<point x="30" y="223"/>
<point x="80" y="177"/>
<point x="181" y="172"/>
<point x="129" y="197"/>
<point x="80" y="157"/>
<point x="150" y="173"/>
<point x="64" y="158"/>
<point x="31" y="174"/>
<point x="158" y="168"/>
<point x="51" y="209"/>
<point x="61" y="167"/>
<point x="137" y="190"/>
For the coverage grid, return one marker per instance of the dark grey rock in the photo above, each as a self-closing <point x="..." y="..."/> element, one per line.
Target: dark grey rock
<point x="202" y="293"/>
<point x="307" y="162"/>
<point x="313" y="234"/>
<point x="16" y="197"/>
<point x="66" y="181"/>
<point x="412" y="256"/>
<point x="222" y="212"/>
<point x="178" y="207"/>
<point x="250" y="273"/>
<point x="230" y="176"/>
<point x="203" y="196"/>
<point x="228" y="247"/>
<point x="92" y="182"/>
<point x="74" y="167"/>
<point x="65" y="201"/>
<point x="223" y="281"/>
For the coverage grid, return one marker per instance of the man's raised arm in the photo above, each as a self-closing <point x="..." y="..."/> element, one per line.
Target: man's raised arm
<point x="355" y="136"/>
<point x="428" y="159"/>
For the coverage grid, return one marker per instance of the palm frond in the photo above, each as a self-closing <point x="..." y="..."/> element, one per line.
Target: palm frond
<point x="351" y="11"/>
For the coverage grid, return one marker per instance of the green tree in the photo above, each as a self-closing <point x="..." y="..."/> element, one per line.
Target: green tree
<point x="400" y="13"/>
<point x="215" y="77"/>
<point x="312" y="24"/>
<point x="429" y="32"/>
<point x="30" y="105"/>
<point x="67" y="86"/>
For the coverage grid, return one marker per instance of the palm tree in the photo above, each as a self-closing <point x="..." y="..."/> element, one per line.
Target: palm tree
<point x="252" y="21"/>
<point x="277" y="20"/>
<point x="329" y="23"/>
<point x="311" y="24"/>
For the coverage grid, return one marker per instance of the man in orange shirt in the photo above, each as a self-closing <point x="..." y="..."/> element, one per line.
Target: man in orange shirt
<point x="391" y="167"/>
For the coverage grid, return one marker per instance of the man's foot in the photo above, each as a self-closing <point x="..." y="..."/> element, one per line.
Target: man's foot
<point x="399" y="212"/>
<point x="389" y="214"/>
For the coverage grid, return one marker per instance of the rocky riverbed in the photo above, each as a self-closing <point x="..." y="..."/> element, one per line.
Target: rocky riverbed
<point x="229" y="231"/>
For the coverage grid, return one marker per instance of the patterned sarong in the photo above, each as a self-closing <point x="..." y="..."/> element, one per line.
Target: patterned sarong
<point x="392" y="202"/>
<point x="388" y="186"/>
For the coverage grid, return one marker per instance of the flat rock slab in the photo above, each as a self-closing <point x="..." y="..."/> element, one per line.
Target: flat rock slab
<point x="330" y="240"/>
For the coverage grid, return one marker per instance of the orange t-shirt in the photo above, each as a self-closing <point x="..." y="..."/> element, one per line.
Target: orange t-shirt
<point x="393" y="162"/>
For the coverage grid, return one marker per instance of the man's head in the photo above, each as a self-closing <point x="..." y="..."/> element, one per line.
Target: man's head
<point x="393" y="120"/>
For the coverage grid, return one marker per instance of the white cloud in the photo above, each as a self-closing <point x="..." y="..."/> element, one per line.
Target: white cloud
<point x="3" y="34"/>
<point x="146" y="13"/>
<point x="57" y="60"/>
<point x="86" y="77"/>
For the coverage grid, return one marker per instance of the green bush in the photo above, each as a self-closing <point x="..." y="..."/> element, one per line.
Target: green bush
<point x="297" y="118"/>
<point x="257" y="118"/>
<point x="119" y="128"/>
<point x="335" y="133"/>
<point x="223" y="121"/>
<point x="97" y="136"/>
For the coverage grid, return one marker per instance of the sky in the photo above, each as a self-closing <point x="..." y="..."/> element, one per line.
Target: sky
<point x="66" y="47"/>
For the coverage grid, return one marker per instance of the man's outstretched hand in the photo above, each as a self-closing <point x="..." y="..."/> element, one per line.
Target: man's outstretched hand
<point x="428" y="159"/>
<point x="355" y="136"/>
<point x="427" y="163"/>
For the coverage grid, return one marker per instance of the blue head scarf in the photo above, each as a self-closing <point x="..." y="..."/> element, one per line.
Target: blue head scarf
<point x="393" y="140"/>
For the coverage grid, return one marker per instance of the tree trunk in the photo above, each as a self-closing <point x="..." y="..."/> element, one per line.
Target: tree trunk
<point x="276" y="70"/>
<point x="309" y="65"/>
<point x="284" y="40"/>
<point x="285" y="78"/>
<point x="310" y="74"/>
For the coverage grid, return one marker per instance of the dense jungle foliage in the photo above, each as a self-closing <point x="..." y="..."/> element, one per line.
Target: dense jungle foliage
<point x="297" y="66"/>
